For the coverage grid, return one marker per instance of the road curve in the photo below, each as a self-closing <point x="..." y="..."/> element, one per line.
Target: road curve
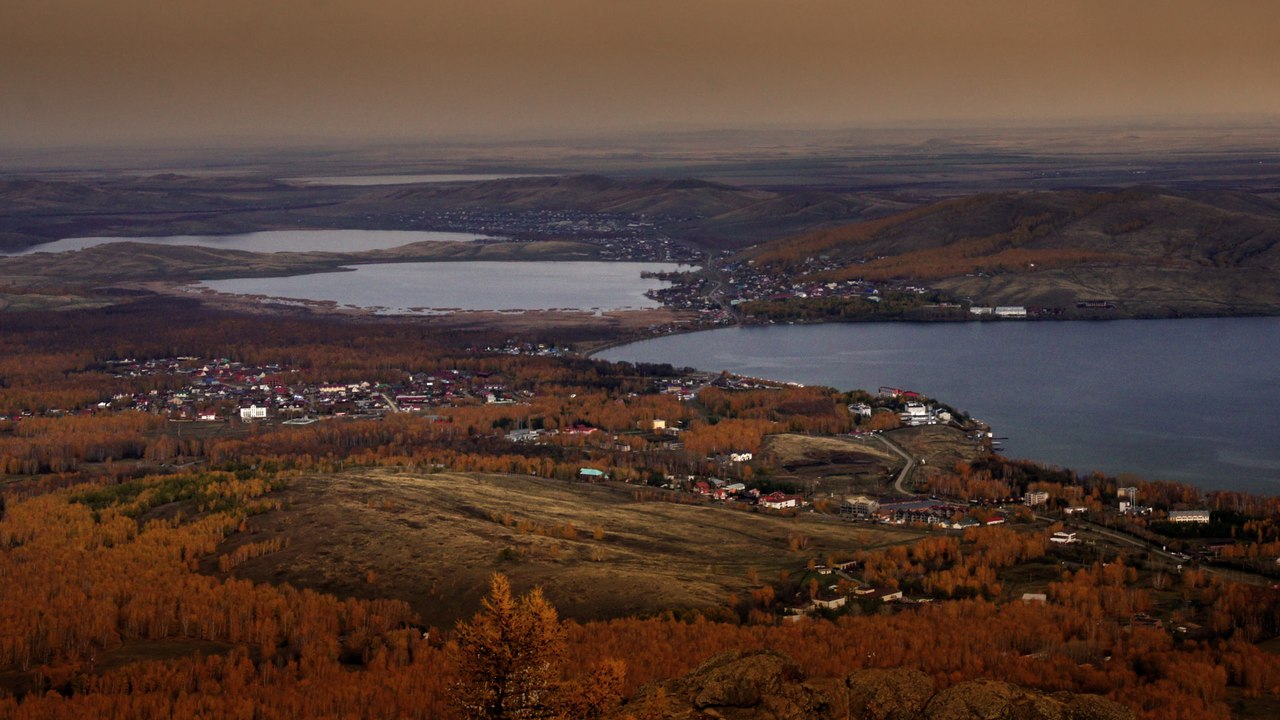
<point x="899" y="484"/>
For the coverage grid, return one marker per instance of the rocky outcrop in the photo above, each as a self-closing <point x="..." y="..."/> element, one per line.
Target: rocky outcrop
<point x="877" y="694"/>
<point x="733" y="686"/>
<point x="993" y="700"/>
<point x="770" y="686"/>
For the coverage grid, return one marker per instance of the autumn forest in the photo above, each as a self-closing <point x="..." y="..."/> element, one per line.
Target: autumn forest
<point x="133" y="497"/>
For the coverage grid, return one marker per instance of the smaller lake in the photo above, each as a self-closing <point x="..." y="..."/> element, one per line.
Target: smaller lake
<point x="371" y="180"/>
<point x="404" y="288"/>
<point x="270" y="241"/>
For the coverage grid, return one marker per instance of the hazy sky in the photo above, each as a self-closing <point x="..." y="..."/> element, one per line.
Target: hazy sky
<point x="163" y="71"/>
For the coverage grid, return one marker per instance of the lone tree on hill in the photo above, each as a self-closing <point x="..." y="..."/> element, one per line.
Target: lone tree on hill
<point x="510" y="655"/>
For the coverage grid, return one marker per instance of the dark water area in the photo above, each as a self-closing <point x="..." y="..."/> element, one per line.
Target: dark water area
<point x="1195" y="401"/>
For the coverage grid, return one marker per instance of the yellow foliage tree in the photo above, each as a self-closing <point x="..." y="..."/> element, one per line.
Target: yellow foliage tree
<point x="509" y="656"/>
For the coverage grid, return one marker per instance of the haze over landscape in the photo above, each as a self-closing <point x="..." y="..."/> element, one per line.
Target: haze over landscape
<point x="79" y="72"/>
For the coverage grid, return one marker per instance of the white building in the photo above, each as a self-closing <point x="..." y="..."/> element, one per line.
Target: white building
<point x="253" y="412"/>
<point x="1010" y="311"/>
<point x="1189" y="516"/>
<point x="1039" y="497"/>
<point x="779" y="501"/>
<point x="915" y="414"/>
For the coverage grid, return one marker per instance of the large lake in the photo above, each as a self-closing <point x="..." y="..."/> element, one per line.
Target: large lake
<point x="274" y="240"/>
<point x="1194" y="401"/>
<point x="468" y="285"/>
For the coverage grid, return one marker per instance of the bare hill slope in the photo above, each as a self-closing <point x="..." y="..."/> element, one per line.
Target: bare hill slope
<point x="1153" y="250"/>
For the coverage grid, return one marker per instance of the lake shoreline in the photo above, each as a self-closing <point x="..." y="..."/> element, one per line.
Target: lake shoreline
<point x="1186" y="401"/>
<point x="595" y="349"/>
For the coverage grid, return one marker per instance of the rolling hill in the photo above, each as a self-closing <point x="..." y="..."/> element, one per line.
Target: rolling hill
<point x="1147" y="250"/>
<point x="34" y="211"/>
<point x="710" y="214"/>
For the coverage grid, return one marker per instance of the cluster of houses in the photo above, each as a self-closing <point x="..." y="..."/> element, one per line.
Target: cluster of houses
<point x="685" y="389"/>
<point x="751" y="283"/>
<point x="516" y="347"/>
<point x="222" y="389"/>
<point x="214" y="390"/>
<point x="619" y="236"/>
<point x="915" y="414"/>
<point x="718" y="489"/>
<point x="746" y="282"/>
<point x="1127" y="504"/>
<point x="830" y="598"/>
<point x="938" y="513"/>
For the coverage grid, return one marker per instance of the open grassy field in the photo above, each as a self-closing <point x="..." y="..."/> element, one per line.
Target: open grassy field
<point x="938" y="448"/>
<point x="434" y="539"/>
<point x="837" y="465"/>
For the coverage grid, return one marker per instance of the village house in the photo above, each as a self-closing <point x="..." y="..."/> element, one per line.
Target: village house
<point x="779" y="501"/>
<point x="886" y="595"/>
<point x="858" y="506"/>
<point x="830" y="602"/>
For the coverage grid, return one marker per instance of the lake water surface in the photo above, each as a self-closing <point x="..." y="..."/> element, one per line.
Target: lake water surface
<point x="1194" y="401"/>
<point x="274" y="240"/>
<point x="469" y="285"/>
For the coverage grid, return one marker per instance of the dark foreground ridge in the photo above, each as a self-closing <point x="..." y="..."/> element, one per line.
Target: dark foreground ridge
<point x="769" y="686"/>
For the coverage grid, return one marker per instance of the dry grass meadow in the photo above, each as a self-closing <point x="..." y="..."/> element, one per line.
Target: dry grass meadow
<point x="433" y="539"/>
